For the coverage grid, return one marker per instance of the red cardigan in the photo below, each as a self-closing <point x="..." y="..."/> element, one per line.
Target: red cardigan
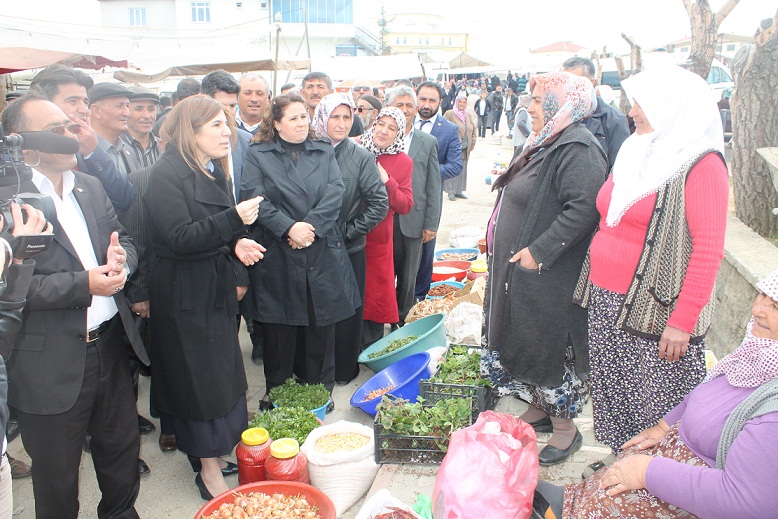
<point x="615" y="251"/>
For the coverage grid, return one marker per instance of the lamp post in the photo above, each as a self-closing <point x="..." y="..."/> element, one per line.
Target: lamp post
<point x="275" y="62"/>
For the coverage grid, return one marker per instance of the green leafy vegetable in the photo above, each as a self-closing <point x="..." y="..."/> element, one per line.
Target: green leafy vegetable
<point x="393" y="346"/>
<point x="293" y="394"/>
<point x="287" y="422"/>
<point x="461" y="366"/>
<point x="440" y="420"/>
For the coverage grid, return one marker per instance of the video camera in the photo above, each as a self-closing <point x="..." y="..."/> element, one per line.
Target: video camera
<point x="13" y="172"/>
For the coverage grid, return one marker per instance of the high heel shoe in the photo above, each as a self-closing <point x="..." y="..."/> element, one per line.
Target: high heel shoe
<point x="200" y="484"/>
<point x="229" y="470"/>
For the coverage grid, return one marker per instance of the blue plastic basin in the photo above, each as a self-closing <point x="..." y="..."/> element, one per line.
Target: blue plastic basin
<point x="430" y="331"/>
<point x="456" y="284"/>
<point x="473" y="254"/>
<point x="404" y="375"/>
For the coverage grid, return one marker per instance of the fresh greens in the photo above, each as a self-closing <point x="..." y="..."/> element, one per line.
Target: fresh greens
<point x="461" y="366"/>
<point x="403" y="418"/>
<point x="393" y="346"/>
<point x="287" y="422"/>
<point x="293" y="394"/>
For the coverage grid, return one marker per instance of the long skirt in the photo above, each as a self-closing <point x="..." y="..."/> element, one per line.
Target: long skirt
<point x="586" y="499"/>
<point x="457" y="184"/>
<point x="632" y="388"/>
<point x="564" y="401"/>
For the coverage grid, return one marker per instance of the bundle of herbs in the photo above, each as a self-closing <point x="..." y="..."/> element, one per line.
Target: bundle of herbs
<point x="393" y="346"/>
<point x="403" y="418"/>
<point x="287" y="422"/>
<point x="294" y="394"/>
<point x="461" y="366"/>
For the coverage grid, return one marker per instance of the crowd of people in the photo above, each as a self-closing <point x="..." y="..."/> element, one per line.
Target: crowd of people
<point x="312" y="216"/>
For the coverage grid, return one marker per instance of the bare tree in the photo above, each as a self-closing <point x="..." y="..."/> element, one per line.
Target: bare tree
<point x="754" y="126"/>
<point x="636" y="65"/>
<point x="705" y="30"/>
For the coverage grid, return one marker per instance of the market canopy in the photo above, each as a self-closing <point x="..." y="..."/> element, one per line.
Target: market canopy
<point x="465" y="60"/>
<point x="129" y="76"/>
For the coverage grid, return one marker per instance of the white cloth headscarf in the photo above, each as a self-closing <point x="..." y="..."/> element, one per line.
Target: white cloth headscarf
<point x="686" y="121"/>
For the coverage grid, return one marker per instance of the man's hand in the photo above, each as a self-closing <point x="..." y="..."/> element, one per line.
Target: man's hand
<point x="116" y="257"/>
<point x="36" y="222"/>
<point x="525" y="259"/>
<point x="241" y="292"/>
<point x="141" y="308"/>
<point x="87" y="138"/>
<point x="427" y="235"/>
<point x="101" y="284"/>
<point x="248" y="252"/>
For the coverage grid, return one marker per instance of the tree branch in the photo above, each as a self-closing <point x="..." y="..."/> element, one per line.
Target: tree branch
<point x="632" y="44"/>
<point x="689" y="5"/>
<point x="724" y="12"/>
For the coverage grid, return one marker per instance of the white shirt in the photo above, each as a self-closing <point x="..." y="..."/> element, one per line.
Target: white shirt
<point x="427" y="126"/>
<point x="407" y="143"/>
<point x="251" y="128"/>
<point x="71" y="218"/>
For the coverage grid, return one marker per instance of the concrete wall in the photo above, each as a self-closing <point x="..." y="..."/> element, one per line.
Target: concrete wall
<point x="748" y="258"/>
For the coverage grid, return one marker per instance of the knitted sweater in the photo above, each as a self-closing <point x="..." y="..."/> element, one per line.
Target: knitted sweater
<point x="615" y="251"/>
<point x="745" y="488"/>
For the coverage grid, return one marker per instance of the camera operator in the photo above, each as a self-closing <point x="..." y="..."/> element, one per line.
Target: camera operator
<point x="69" y="372"/>
<point x="15" y="277"/>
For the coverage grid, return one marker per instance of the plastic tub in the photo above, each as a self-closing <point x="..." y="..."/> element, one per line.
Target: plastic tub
<point x="482" y="245"/>
<point x="456" y="284"/>
<point x="314" y="496"/>
<point x="430" y="332"/>
<point x="473" y="254"/>
<point x="458" y="270"/>
<point x="404" y="375"/>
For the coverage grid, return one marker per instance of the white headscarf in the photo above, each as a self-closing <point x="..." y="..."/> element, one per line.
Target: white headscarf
<point x="686" y="121"/>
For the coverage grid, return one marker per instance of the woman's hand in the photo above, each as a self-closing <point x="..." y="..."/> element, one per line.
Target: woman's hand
<point x="142" y="309"/>
<point x="673" y="344"/>
<point x="525" y="259"/>
<point x="248" y="251"/>
<point x="249" y="209"/>
<point x="648" y="438"/>
<point x="628" y="473"/>
<point x="241" y="292"/>
<point x="301" y="235"/>
<point x="382" y="171"/>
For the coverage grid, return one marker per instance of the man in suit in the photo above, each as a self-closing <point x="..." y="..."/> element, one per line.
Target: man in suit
<point x="429" y="95"/>
<point x="421" y="224"/>
<point x="67" y="88"/>
<point x="165" y="105"/>
<point x="69" y="374"/>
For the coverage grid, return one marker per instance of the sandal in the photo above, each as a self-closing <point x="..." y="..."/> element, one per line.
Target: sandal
<point x="597" y="465"/>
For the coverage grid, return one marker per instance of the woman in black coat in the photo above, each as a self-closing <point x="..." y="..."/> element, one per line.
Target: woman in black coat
<point x="198" y="382"/>
<point x="305" y="284"/>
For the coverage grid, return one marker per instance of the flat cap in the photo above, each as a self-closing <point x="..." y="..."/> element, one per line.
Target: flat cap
<point x="108" y="90"/>
<point x="374" y="102"/>
<point x="143" y="94"/>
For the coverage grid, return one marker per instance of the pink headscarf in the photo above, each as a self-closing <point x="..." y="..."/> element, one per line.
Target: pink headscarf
<point x="755" y="361"/>
<point x="462" y="114"/>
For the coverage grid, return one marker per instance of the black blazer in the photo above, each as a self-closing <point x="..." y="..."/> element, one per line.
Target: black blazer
<point x="46" y="367"/>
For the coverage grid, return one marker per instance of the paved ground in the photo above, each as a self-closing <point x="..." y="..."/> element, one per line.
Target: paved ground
<point x="169" y="491"/>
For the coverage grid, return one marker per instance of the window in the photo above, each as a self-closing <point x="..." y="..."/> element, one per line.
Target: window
<point x="201" y="12"/>
<point x="405" y="40"/>
<point x="317" y="11"/>
<point x="397" y="41"/>
<point x="420" y="40"/>
<point x="442" y="41"/>
<point x="137" y="17"/>
<point x="730" y="47"/>
<point x="449" y="42"/>
<point x="684" y="49"/>
<point x="427" y="41"/>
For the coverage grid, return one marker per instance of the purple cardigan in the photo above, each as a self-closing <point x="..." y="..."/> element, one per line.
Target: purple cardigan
<point x="746" y="487"/>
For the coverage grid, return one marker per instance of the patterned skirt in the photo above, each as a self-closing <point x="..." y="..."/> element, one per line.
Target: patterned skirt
<point x="632" y="388"/>
<point x="565" y="401"/>
<point x="586" y="499"/>
<point x="457" y="184"/>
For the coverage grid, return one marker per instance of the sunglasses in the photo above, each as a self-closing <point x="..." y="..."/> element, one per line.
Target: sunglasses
<point x="74" y="128"/>
<point x="360" y="109"/>
<point x="363" y="88"/>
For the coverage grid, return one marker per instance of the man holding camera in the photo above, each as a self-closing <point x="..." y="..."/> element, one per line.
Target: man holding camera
<point x="69" y="372"/>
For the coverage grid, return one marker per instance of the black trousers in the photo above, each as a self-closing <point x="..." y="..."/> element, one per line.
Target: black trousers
<point x="407" y="257"/>
<point x="348" y="333"/>
<point x="424" y="276"/>
<point x="312" y="345"/>
<point x="105" y="409"/>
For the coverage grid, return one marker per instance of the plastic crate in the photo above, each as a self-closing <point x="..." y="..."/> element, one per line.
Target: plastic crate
<point x="393" y="448"/>
<point x="482" y="398"/>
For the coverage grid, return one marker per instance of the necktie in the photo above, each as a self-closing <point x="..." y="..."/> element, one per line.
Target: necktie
<point x="422" y="123"/>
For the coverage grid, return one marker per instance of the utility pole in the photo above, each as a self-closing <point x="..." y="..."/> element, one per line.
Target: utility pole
<point x="278" y="45"/>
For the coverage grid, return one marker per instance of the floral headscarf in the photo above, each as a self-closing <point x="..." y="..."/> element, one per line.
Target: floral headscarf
<point x="462" y="114"/>
<point x="328" y="104"/>
<point x="565" y="98"/>
<point x="524" y="101"/>
<point x="399" y="142"/>
<point x="755" y="361"/>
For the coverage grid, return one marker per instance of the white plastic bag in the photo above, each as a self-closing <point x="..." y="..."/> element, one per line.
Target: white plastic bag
<point x="436" y="356"/>
<point x="463" y="324"/>
<point x="344" y="476"/>
<point x="465" y="237"/>
<point x="381" y="502"/>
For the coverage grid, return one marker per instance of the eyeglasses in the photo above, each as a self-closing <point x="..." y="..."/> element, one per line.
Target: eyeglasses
<point x="360" y="109"/>
<point x="363" y="88"/>
<point x="74" y="128"/>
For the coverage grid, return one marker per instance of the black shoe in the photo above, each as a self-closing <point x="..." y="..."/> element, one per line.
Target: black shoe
<point x="461" y="195"/>
<point x="19" y="469"/>
<point x="543" y="425"/>
<point x="167" y="443"/>
<point x="144" y="370"/>
<point x="452" y="197"/>
<point x="553" y="456"/>
<point x="256" y="354"/>
<point x="145" y="426"/>
<point x="200" y="484"/>
<point x="230" y="470"/>
<point x="87" y="443"/>
<point x="330" y="406"/>
<point x="265" y="405"/>
<point x="143" y="468"/>
<point x="11" y="429"/>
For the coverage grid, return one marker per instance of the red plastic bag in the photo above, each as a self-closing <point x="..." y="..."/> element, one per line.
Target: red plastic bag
<point x="490" y="470"/>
